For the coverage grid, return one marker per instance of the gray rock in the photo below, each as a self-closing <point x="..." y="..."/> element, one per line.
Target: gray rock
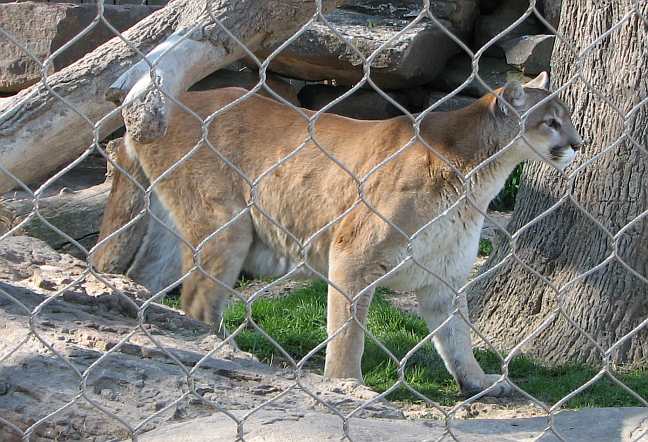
<point x="489" y="26"/>
<point x="454" y="103"/>
<point x="493" y="71"/>
<point x="588" y="424"/>
<point x="414" y="58"/>
<point x="363" y="104"/>
<point x="529" y="53"/>
<point x="45" y="27"/>
<point x="550" y="10"/>
<point x="35" y="383"/>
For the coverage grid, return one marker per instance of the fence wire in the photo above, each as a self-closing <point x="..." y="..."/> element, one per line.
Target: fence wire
<point x="133" y="430"/>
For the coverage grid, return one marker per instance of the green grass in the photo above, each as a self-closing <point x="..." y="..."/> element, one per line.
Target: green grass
<point x="505" y="200"/>
<point x="485" y="247"/>
<point x="172" y="299"/>
<point x="297" y="323"/>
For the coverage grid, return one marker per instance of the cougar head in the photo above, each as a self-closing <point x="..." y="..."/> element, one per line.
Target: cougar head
<point x="549" y="132"/>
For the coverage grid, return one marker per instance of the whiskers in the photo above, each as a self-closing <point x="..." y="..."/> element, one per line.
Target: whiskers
<point x="562" y="156"/>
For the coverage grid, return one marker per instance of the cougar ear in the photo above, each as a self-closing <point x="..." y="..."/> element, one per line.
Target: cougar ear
<point x="513" y="93"/>
<point x="540" y="82"/>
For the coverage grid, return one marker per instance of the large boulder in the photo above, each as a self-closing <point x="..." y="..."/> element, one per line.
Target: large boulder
<point x="508" y="12"/>
<point x="413" y="58"/>
<point x="493" y="71"/>
<point x="42" y="28"/>
<point x="363" y="104"/>
<point x="140" y="376"/>
<point x="530" y="53"/>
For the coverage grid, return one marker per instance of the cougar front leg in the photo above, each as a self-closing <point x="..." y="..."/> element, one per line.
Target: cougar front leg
<point x="453" y="342"/>
<point x="344" y="351"/>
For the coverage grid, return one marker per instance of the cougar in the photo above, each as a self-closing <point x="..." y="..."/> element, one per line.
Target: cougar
<point x="352" y="204"/>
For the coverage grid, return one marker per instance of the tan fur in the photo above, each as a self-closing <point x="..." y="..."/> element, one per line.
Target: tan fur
<point x="124" y="203"/>
<point x="286" y="201"/>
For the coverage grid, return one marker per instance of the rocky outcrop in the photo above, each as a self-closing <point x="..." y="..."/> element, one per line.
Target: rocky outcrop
<point x="422" y="61"/>
<point x="86" y="339"/>
<point x="493" y="71"/>
<point x="409" y="59"/>
<point x="43" y="28"/>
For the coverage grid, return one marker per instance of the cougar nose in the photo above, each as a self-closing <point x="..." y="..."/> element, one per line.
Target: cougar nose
<point x="577" y="143"/>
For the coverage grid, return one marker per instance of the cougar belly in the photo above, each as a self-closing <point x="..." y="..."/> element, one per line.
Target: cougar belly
<point x="264" y="262"/>
<point x="274" y="252"/>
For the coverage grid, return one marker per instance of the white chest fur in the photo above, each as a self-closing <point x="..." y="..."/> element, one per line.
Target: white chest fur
<point x="446" y="249"/>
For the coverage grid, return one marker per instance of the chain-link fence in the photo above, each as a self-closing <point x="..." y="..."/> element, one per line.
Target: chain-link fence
<point x="203" y="372"/>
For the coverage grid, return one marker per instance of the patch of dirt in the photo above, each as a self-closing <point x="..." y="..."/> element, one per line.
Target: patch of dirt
<point x="74" y="354"/>
<point x="486" y="408"/>
<point x="270" y="289"/>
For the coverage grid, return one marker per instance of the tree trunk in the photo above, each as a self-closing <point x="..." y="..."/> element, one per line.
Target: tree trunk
<point x="40" y="133"/>
<point x="511" y="303"/>
<point x="76" y="213"/>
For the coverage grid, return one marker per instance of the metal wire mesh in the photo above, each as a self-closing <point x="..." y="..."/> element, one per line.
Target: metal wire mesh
<point x="298" y="366"/>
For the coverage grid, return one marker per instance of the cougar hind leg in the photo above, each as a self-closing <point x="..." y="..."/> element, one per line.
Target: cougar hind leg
<point x="205" y="293"/>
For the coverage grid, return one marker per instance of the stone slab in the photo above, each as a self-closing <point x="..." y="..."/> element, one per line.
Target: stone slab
<point x="43" y="28"/>
<point x="413" y="57"/>
<point x="587" y="425"/>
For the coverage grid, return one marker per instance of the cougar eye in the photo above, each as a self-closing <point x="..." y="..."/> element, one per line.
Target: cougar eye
<point x="553" y="123"/>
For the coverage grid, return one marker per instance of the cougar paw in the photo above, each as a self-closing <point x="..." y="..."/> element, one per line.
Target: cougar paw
<point x="474" y="386"/>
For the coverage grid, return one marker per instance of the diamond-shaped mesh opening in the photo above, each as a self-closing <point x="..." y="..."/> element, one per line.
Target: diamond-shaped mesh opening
<point x="235" y="170"/>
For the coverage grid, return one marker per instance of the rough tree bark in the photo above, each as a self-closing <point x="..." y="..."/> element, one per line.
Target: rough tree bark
<point x="39" y="132"/>
<point x="511" y="303"/>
